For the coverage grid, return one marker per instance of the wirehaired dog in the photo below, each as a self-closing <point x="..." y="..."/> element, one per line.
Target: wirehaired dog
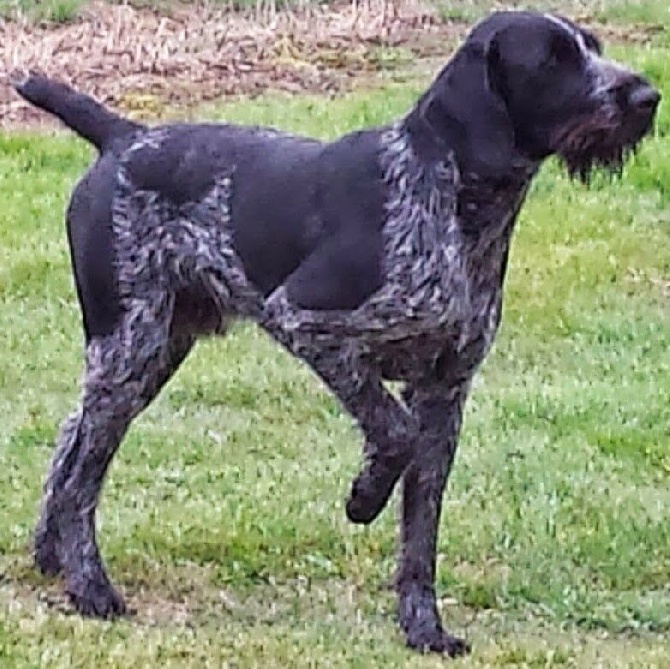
<point x="378" y="256"/>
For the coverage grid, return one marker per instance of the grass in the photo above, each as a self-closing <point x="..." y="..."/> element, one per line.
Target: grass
<point x="64" y="11"/>
<point x="656" y="12"/>
<point x="223" y="520"/>
<point x="619" y="11"/>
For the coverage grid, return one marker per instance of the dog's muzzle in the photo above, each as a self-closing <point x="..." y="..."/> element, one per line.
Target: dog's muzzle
<point x="643" y="99"/>
<point x="636" y="99"/>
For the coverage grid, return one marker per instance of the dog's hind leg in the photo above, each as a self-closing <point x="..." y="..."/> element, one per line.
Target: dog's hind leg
<point x="125" y="370"/>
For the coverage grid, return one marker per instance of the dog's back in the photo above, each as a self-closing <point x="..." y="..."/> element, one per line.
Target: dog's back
<point x="288" y="194"/>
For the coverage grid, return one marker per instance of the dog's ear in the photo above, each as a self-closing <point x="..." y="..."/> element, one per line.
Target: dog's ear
<point x="464" y="107"/>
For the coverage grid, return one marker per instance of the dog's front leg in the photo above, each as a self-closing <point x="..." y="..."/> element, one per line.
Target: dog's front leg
<point x="439" y="410"/>
<point x="389" y="429"/>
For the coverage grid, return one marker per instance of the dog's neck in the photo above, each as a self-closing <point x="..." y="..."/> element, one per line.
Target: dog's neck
<point x="433" y="145"/>
<point x="481" y="198"/>
<point x="485" y="207"/>
<point x="434" y="136"/>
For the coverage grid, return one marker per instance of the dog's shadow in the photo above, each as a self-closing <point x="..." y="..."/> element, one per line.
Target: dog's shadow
<point x="189" y="596"/>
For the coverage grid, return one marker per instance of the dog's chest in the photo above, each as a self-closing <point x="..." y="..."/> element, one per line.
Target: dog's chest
<point x="451" y="348"/>
<point x="447" y="268"/>
<point x="444" y="260"/>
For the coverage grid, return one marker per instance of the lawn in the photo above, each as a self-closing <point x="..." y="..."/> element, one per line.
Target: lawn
<point x="619" y="11"/>
<point x="222" y="518"/>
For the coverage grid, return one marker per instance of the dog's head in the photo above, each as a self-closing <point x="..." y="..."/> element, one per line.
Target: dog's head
<point x="526" y="85"/>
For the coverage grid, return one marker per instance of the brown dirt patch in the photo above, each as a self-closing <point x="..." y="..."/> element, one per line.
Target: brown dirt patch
<point x="150" y="63"/>
<point x="145" y="61"/>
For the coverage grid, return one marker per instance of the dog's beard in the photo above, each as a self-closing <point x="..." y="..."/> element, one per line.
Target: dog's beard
<point x="598" y="142"/>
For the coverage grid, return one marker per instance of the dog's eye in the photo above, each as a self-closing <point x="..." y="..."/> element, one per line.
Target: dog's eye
<point x="593" y="44"/>
<point x="563" y="52"/>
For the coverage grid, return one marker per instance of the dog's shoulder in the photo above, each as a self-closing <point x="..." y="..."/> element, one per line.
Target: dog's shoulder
<point x="350" y="183"/>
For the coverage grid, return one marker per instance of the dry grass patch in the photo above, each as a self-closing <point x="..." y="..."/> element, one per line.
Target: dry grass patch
<point x="142" y="59"/>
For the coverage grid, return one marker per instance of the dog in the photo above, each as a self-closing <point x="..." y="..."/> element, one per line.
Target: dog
<point x="376" y="257"/>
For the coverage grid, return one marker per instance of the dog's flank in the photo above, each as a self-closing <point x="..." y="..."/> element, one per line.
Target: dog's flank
<point x="378" y="256"/>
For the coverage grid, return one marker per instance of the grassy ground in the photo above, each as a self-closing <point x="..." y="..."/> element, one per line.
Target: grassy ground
<point x="61" y="11"/>
<point x="628" y="11"/>
<point x="222" y="518"/>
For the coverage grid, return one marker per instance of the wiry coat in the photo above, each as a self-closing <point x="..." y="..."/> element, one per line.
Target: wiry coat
<point x="379" y="256"/>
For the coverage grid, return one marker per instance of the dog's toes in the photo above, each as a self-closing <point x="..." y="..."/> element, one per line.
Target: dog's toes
<point x="454" y="646"/>
<point x="47" y="561"/>
<point x="96" y="599"/>
<point x="372" y="489"/>
<point x="363" y="506"/>
<point x="420" y="621"/>
<point x="437" y="641"/>
<point x="46" y="556"/>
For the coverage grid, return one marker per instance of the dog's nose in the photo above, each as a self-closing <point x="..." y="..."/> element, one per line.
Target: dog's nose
<point x="644" y="98"/>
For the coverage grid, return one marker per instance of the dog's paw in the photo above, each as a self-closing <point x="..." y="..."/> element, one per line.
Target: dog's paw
<point x="45" y="553"/>
<point x="367" y="500"/>
<point x="436" y="640"/>
<point x="96" y="599"/>
<point x="19" y="77"/>
<point x="420" y="621"/>
<point x="46" y="558"/>
<point x="373" y="487"/>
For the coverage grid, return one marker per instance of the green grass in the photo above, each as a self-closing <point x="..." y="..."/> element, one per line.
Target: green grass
<point x="64" y="11"/>
<point x="618" y="11"/>
<point x="56" y="11"/>
<point x="641" y="12"/>
<point x="656" y="12"/>
<point x="223" y="519"/>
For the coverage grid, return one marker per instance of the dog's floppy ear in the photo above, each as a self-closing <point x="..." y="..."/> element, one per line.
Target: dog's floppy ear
<point x="465" y="109"/>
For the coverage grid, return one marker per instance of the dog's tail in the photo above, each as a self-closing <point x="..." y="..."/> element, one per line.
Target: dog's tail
<point x="81" y="113"/>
